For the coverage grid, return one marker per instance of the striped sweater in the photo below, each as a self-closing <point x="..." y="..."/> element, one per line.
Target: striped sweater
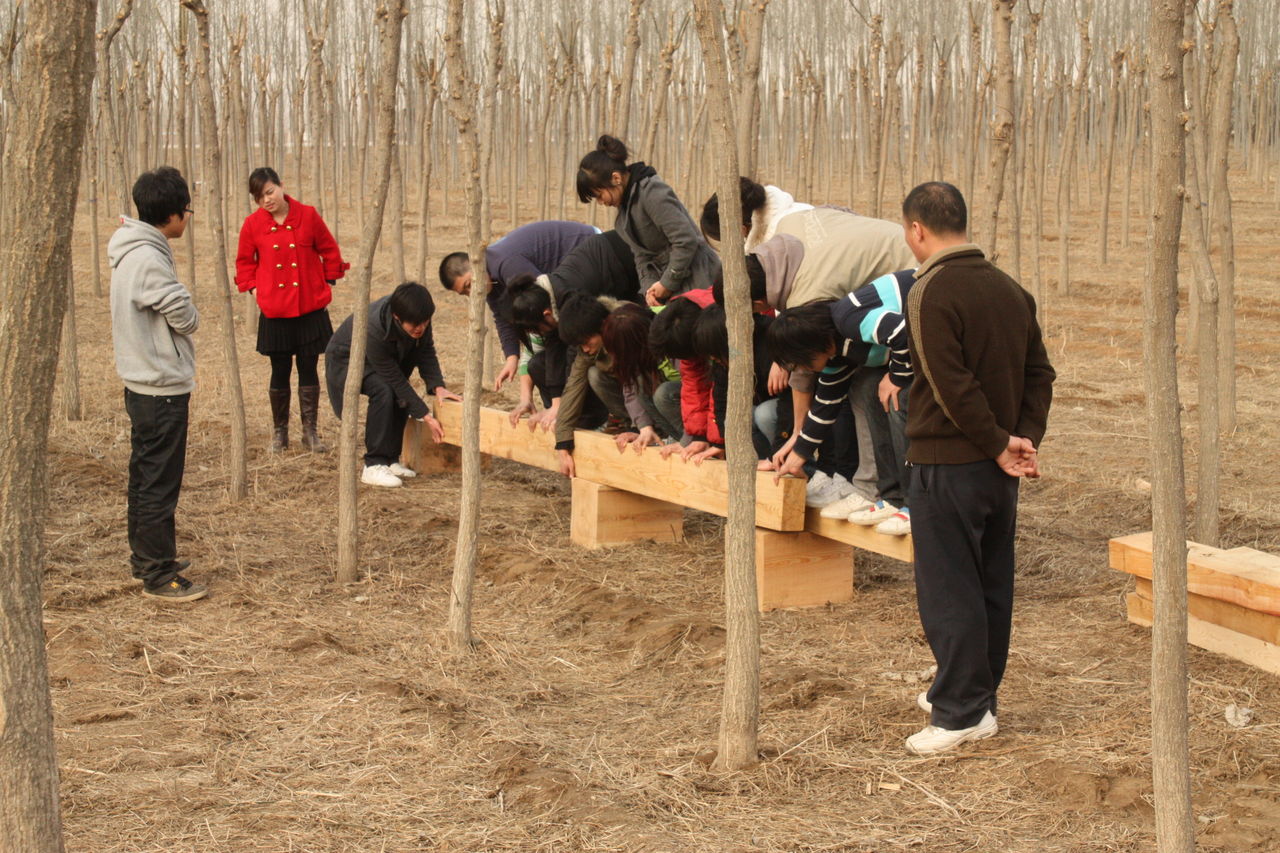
<point x="872" y="326"/>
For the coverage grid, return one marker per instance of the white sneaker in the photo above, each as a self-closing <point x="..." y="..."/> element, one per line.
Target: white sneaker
<point x="827" y="495"/>
<point x="898" y="524"/>
<point x="843" y="486"/>
<point x="933" y="739"/>
<point x="817" y="482"/>
<point x="848" y="504"/>
<point x="873" y="514"/>
<point x="404" y="472"/>
<point x="379" y="475"/>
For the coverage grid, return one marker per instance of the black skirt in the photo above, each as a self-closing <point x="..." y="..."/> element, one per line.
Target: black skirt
<point x="305" y="335"/>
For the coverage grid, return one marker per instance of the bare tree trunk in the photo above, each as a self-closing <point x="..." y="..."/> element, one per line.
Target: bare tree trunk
<point x="740" y="711"/>
<point x="184" y="144"/>
<point x="622" y="107"/>
<point x="1067" y="154"/>
<point x="666" y="62"/>
<point x="1220" y="208"/>
<point x="1175" y="825"/>
<point x="748" y="105"/>
<point x="239" y="462"/>
<point x="1113" y="116"/>
<point x="70" y="355"/>
<point x="1209" y="463"/>
<point x="107" y="108"/>
<point x="1002" y="123"/>
<point x="461" y="103"/>
<point x="389" y="17"/>
<point x="429" y="81"/>
<point x="43" y="139"/>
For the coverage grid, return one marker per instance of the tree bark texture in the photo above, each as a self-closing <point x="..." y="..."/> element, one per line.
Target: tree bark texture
<point x="461" y="102"/>
<point x="239" y="462"/>
<point x="1175" y="830"/>
<point x="45" y="137"/>
<point x="389" y="17"/>
<point x="1003" y="121"/>
<point x="740" y="711"/>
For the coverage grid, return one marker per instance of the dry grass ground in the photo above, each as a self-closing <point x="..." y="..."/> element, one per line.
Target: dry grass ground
<point x="285" y="713"/>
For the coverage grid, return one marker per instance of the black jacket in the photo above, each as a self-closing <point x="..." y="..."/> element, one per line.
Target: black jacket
<point x="390" y="354"/>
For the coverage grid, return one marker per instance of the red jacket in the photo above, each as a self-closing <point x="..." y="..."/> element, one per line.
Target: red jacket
<point x="290" y="263"/>
<point x="697" y="407"/>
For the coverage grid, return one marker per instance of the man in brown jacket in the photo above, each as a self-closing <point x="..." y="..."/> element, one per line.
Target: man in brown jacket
<point x="979" y="406"/>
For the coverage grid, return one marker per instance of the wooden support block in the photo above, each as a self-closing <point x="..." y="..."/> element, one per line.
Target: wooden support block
<point x="779" y="506"/>
<point x="861" y="536"/>
<point x="1251" y="581"/>
<point x="1242" y="620"/>
<point x="423" y="455"/>
<point x="1214" y="638"/>
<point x="604" y="516"/>
<point x="801" y="570"/>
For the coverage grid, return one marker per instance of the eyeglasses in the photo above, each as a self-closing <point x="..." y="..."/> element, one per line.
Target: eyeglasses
<point x="188" y="211"/>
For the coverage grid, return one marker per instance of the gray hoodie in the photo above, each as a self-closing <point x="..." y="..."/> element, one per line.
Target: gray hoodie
<point x="152" y="315"/>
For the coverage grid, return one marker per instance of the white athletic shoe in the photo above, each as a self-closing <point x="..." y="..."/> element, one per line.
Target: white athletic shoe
<point x="843" y="486"/>
<point x="846" y="505"/>
<point x="379" y="475"/>
<point x="873" y="514"/>
<point x="825" y="496"/>
<point x="898" y="524"/>
<point x="404" y="472"/>
<point x="932" y="740"/>
<point x="817" y="482"/>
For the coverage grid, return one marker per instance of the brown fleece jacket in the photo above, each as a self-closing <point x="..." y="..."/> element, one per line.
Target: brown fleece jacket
<point x="981" y="370"/>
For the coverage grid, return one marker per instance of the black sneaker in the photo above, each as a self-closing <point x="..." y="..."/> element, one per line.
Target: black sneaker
<point x="141" y="577"/>
<point x="178" y="589"/>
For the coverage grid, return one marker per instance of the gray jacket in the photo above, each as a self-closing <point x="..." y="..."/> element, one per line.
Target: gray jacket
<point x="664" y="239"/>
<point x="152" y="314"/>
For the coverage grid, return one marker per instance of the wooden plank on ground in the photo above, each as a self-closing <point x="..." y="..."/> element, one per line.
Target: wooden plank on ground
<point x="1252" y="582"/>
<point x="864" y="537"/>
<point x="779" y="506"/>
<point x="1242" y="620"/>
<point x="801" y="570"/>
<point x="1214" y="638"/>
<point x="603" y="516"/>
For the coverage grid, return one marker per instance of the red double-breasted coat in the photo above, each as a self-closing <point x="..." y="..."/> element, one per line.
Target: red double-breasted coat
<point x="290" y="263"/>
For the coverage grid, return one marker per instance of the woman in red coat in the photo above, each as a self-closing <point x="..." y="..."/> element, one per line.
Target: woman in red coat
<point x="288" y="255"/>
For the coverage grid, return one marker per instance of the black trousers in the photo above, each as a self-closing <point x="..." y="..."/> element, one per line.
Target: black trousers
<point x="158" y="440"/>
<point x="384" y="422"/>
<point x="962" y="521"/>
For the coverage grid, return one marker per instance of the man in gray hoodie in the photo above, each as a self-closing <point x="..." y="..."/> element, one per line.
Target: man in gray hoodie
<point x="152" y="319"/>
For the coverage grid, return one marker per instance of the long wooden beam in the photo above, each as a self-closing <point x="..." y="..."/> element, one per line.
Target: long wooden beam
<point x="860" y="536"/>
<point x="779" y="506"/>
<point x="1241" y="576"/>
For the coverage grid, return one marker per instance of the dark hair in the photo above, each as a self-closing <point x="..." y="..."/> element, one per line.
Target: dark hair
<point x="937" y="206"/>
<point x="259" y="178"/>
<point x="525" y="304"/>
<point x="671" y="335"/>
<point x="799" y="335"/>
<point x="595" y="172"/>
<point x="159" y="194"/>
<point x="581" y="316"/>
<point x="710" y="335"/>
<point x="755" y="276"/>
<point x="412" y="303"/>
<point x="752" y="197"/>
<point x="454" y="264"/>
<point x="625" y="335"/>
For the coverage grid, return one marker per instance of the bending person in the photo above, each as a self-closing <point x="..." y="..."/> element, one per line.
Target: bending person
<point x="531" y="249"/>
<point x="398" y="341"/>
<point x="671" y="256"/>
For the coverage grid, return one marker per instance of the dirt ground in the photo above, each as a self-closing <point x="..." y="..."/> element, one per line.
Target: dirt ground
<point x="285" y="713"/>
